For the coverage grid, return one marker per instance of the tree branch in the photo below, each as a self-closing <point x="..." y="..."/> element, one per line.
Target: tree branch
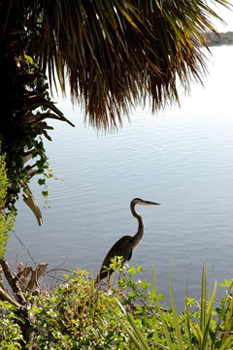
<point x="7" y="297"/>
<point x="13" y="281"/>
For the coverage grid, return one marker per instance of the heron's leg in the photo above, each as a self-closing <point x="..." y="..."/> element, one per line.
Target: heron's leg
<point x="119" y="276"/>
<point x="108" y="282"/>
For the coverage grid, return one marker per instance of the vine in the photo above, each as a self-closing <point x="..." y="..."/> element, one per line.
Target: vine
<point x="6" y="221"/>
<point x="22" y="132"/>
<point x="25" y="108"/>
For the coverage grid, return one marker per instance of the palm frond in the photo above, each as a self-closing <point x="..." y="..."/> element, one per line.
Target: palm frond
<point x="119" y="53"/>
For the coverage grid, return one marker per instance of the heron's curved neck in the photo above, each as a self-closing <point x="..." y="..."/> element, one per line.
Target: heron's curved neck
<point x="138" y="236"/>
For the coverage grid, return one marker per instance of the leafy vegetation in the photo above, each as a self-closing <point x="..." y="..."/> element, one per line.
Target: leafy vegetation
<point x="6" y="221"/>
<point x="10" y="332"/>
<point x="199" y="326"/>
<point x="129" y="315"/>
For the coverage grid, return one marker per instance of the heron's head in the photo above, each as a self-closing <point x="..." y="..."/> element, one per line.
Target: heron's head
<point x="142" y="202"/>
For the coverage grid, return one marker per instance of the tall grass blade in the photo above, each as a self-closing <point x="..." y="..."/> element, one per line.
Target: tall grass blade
<point x="175" y="318"/>
<point x="224" y="307"/>
<point x="210" y="282"/>
<point x="208" y="317"/>
<point x="132" y="337"/>
<point x="228" y="344"/>
<point x="138" y="333"/>
<point x="187" y="312"/>
<point x="188" y="325"/>
<point x="197" y="332"/>
<point x="165" y="329"/>
<point x="203" y="298"/>
<point x="228" y="326"/>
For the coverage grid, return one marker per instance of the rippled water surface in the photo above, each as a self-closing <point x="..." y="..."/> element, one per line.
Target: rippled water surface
<point x="181" y="157"/>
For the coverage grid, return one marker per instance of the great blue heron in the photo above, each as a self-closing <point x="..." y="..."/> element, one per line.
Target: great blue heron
<point x="124" y="246"/>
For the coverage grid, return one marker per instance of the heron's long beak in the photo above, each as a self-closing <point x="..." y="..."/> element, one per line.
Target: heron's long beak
<point x="151" y="203"/>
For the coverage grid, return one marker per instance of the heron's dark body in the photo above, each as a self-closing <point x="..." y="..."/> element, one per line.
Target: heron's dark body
<point x="124" y="246"/>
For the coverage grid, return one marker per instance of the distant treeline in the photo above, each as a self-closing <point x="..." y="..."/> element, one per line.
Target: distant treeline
<point x="219" y="39"/>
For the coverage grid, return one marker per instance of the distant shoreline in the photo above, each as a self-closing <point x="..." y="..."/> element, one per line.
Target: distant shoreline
<point x="219" y="39"/>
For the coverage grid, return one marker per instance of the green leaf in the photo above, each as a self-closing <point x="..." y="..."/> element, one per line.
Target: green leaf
<point x="133" y="270"/>
<point x="41" y="181"/>
<point x="36" y="309"/>
<point x="139" y="269"/>
<point x="45" y="193"/>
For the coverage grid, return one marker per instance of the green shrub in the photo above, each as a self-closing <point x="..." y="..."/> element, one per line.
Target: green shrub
<point x="6" y="222"/>
<point x="76" y="315"/>
<point x="199" y="326"/>
<point x="129" y="315"/>
<point x="10" y="333"/>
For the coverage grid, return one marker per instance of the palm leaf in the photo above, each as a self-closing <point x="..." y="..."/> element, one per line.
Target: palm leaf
<point x="119" y="53"/>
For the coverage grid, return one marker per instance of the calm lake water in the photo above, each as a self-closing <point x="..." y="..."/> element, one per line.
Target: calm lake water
<point x="181" y="157"/>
